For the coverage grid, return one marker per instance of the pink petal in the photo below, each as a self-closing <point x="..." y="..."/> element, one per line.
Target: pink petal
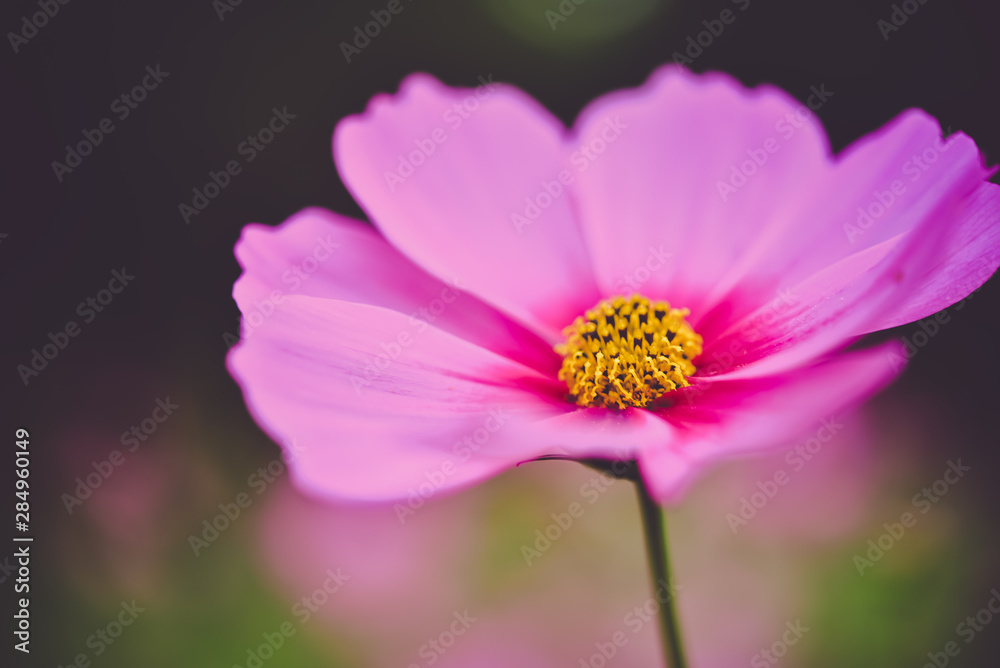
<point x="436" y="412"/>
<point x="718" y="419"/>
<point x="734" y="257"/>
<point x="321" y="254"/>
<point x="840" y="285"/>
<point x="455" y="213"/>
<point x="596" y="432"/>
<point x="653" y="189"/>
<point x="971" y="256"/>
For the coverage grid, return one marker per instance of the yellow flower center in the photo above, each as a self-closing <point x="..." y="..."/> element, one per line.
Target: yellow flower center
<point x="627" y="352"/>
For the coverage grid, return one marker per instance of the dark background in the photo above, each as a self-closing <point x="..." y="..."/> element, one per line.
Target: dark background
<point x="165" y="334"/>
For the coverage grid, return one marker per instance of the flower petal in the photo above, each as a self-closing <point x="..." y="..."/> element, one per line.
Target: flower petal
<point x="716" y="419"/>
<point x="445" y="173"/>
<point x="733" y="254"/>
<point x="581" y="433"/>
<point x="654" y="190"/>
<point x="321" y="254"/>
<point x="837" y="286"/>
<point x="370" y="406"/>
<point x="972" y="255"/>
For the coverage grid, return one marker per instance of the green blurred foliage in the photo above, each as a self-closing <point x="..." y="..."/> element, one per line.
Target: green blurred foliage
<point x="563" y="26"/>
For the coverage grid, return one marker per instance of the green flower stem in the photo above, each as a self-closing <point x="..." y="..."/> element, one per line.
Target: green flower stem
<point x="654" y="526"/>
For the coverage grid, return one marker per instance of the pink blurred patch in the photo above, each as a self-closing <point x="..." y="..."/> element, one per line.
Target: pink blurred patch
<point x="394" y="568"/>
<point x="817" y="490"/>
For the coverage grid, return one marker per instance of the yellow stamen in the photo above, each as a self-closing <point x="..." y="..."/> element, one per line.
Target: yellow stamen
<point x="627" y="352"/>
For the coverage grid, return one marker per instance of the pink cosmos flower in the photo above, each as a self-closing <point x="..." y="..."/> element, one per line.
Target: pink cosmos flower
<point x="478" y="327"/>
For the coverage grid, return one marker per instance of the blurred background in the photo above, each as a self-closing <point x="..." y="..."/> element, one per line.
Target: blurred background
<point x="189" y="547"/>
